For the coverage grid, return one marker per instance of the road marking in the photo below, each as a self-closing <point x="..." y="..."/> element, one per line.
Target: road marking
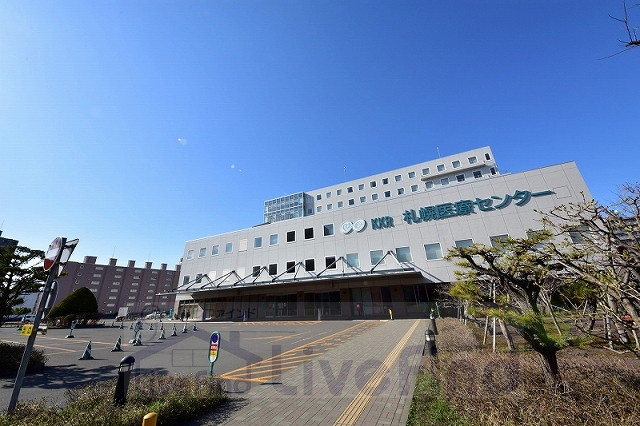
<point x="357" y="406"/>
<point x="263" y="371"/>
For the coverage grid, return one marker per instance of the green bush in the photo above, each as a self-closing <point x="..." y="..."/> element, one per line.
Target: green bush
<point x="175" y="398"/>
<point x="11" y="355"/>
<point x="81" y="301"/>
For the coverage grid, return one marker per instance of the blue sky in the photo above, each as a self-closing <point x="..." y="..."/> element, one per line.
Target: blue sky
<point x="138" y="125"/>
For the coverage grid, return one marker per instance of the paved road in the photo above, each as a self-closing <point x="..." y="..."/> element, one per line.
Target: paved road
<point x="331" y="372"/>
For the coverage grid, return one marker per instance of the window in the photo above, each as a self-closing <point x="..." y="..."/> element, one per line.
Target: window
<point x="412" y="175"/>
<point x="578" y="234"/>
<point x="215" y="250"/>
<point x="329" y="206"/>
<point x="242" y="246"/>
<point x="328" y="194"/>
<point x="400" y="191"/>
<point x="202" y="252"/>
<point x="387" y="194"/>
<point x="273" y="269"/>
<point x="398" y="178"/>
<point x="352" y="201"/>
<point x="318" y="209"/>
<point x="433" y="251"/>
<point x="291" y="267"/>
<point x="256" y="271"/>
<point x="372" y="184"/>
<point x="273" y="239"/>
<point x="291" y="236"/>
<point x="374" y="197"/>
<point x="455" y="164"/>
<point x="440" y="167"/>
<point x="403" y="254"/>
<point x="444" y="181"/>
<point x="473" y="160"/>
<point x="330" y="262"/>
<point x="487" y="156"/>
<point x="190" y="255"/>
<point x="198" y="278"/>
<point x="361" y="187"/>
<point x="477" y="174"/>
<point x="318" y="197"/>
<point x="464" y="243"/>
<point x="308" y="233"/>
<point x="385" y="181"/>
<point x="376" y="256"/>
<point x="414" y="188"/>
<point x="429" y="184"/>
<point x="228" y="248"/>
<point x="497" y="241"/>
<point x="425" y="171"/>
<point x="493" y="170"/>
<point x="352" y="260"/>
<point x="460" y="178"/>
<point x="363" y="199"/>
<point x="340" y="204"/>
<point x="257" y="242"/>
<point x="350" y="189"/>
<point x="310" y="265"/>
<point x="339" y="192"/>
<point x="531" y="234"/>
<point x="327" y="229"/>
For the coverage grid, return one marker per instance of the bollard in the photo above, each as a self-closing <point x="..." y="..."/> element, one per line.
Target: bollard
<point x="429" y="343"/>
<point x="124" y="373"/>
<point x="184" y="329"/>
<point x="150" y="419"/>
<point x="162" y="337"/>
<point x="390" y="314"/>
<point x="174" y="332"/>
<point x="434" y="328"/>
<point x="195" y="328"/>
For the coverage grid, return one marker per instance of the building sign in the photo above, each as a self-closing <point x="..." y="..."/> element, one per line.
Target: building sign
<point x="467" y="207"/>
<point x="382" y="222"/>
<point x="357" y="226"/>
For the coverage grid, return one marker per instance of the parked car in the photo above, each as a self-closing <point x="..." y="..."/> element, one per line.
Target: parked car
<point x="28" y="319"/>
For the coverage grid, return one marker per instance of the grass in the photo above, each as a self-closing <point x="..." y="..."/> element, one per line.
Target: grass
<point x="467" y="384"/>
<point x="175" y="398"/>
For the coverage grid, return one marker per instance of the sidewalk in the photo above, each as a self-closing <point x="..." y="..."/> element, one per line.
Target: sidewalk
<point x="368" y="380"/>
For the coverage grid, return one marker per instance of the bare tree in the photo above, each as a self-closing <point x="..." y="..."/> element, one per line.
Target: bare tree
<point x="632" y="33"/>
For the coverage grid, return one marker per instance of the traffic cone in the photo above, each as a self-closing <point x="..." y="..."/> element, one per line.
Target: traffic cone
<point x="121" y="325"/>
<point x="161" y="335"/>
<point x="151" y="326"/>
<point x="87" y="352"/>
<point x="116" y="347"/>
<point x="70" y="335"/>
<point x="174" y="333"/>
<point x="184" y="329"/>
<point x="138" y="341"/>
<point x="131" y="326"/>
<point x="112" y="324"/>
<point x="161" y="325"/>
<point x="195" y="328"/>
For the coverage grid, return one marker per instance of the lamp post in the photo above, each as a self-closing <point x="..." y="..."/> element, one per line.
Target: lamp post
<point x="124" y="374"/>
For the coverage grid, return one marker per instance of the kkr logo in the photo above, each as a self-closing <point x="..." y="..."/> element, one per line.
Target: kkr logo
<point x="358" y="226"/>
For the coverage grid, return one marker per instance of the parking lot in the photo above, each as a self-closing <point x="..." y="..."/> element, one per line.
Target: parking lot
<point x="323" y="358"/>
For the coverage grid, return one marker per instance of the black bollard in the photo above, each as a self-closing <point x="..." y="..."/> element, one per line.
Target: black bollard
<point x="434" y="328"/>
<point x="124" y="373"/>
<point x="429" y="343"/>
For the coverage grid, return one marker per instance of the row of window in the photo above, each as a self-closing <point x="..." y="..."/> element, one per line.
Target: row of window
<point x="411" y="175"/>
<point x="432" y="251"/>
<point x="327" y="230"/>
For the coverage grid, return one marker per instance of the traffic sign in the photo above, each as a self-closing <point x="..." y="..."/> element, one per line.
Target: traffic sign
<point x="53" y="253"/>
<point x="214" y="346"/>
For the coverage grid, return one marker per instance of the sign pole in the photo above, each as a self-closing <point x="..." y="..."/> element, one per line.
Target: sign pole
<point x="51" y="260"/>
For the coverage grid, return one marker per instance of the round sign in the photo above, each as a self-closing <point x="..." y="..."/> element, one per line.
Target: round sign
<point x="346" y="227"/>
<point x="51" y="256"/>
<point x="359" y="225"/>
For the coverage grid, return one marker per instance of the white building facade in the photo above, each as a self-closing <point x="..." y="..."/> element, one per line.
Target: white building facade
<point x="370" y="245"/>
